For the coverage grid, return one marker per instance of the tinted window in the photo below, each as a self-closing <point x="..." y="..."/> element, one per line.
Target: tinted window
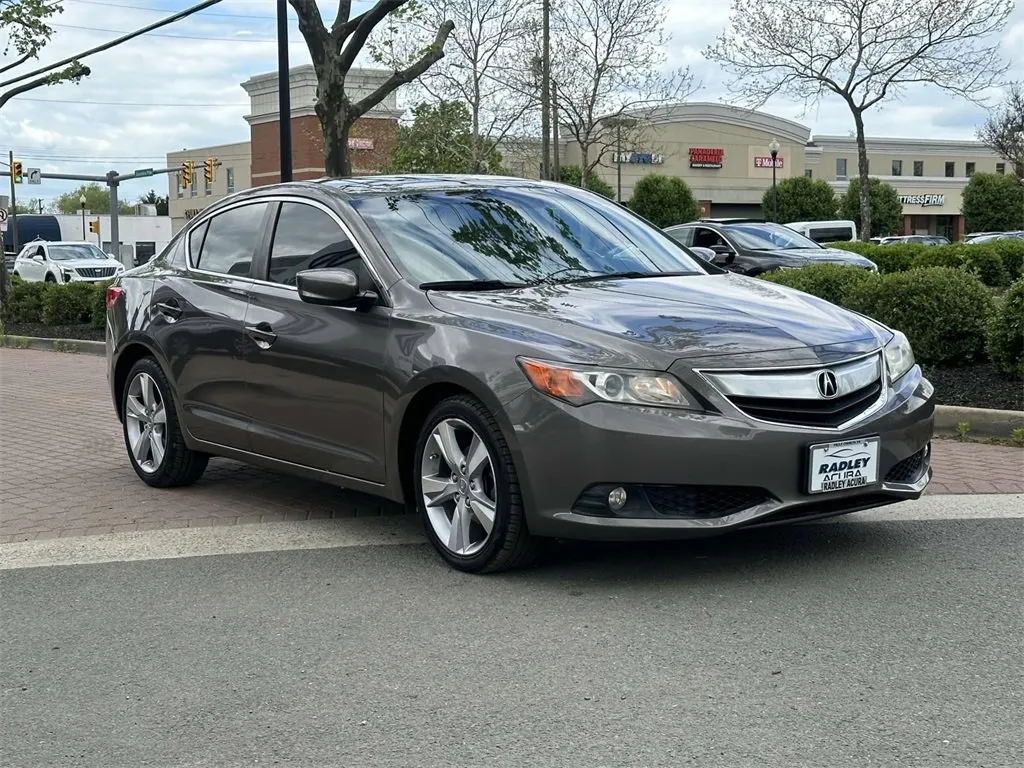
<point x="307" y="238"/>
<point x="769" y="237"/>
<point x="516" y="235"/>
<point x="195" y="241"/>
<point x="231" y="240"/>
<point x="174" y="253"/>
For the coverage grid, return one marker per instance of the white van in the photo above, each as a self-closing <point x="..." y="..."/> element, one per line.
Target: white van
<point x="826" y="231"/>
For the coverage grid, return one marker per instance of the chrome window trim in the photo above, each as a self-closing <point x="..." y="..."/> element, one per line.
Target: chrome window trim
<point x="870" y="411"/>
<point x="799" y="385"/>
<point x="270" y="199"/>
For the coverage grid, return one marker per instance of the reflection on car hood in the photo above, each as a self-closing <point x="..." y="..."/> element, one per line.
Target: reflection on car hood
<point x="828" y="255"/>
<point x="665" y="318"/>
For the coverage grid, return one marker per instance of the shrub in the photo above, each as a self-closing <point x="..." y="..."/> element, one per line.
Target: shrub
<point x="801" y="199"/>
<point x="985" y="263"/>
<point x="889" y="258"/>
<point x="993" y="202"/>
<point x="1012" y="254"/>
<point x="69" y="304"/>
<point x="1006" y="331"/>
<point x="996" y="263"/>
<point x="943" y="311"/>
<point x="25" y="301"/>
<point x="664" y="200"/>
<point x="886" y="209"/>
<point x="831" y="282"/>
<point x="571" y="174"/>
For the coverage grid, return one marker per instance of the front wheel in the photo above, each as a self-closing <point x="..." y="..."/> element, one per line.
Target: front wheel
<point x="467" y="490"/>
<point x="152" y="434"/>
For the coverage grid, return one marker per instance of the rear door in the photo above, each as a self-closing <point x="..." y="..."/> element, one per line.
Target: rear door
<point x="314" y="372"/>
<point x="197" y="314"/>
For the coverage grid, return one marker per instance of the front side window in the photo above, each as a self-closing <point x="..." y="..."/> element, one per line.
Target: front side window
<point x="76" y="251"/>
<point x="307" y="238"/>
<point x="769" y="237"/>
<point x="516" y="235"/>
<point x="230" y="241"/>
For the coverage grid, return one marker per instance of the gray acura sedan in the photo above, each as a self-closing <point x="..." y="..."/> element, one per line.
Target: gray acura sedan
<point x="517" y="360"/>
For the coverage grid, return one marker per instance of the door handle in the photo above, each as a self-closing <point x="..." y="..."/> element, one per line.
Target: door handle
<point x="170" y="309"/>
<point x="262" y="334"/>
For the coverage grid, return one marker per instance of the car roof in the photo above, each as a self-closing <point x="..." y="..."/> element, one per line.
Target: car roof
<point x="361" y="186"/>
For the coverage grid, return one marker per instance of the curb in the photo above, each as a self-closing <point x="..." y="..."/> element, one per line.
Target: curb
<point x="983" y="422"/>
<point x="67" y="346"/>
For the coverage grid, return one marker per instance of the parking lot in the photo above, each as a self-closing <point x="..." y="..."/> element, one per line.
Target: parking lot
<point x="66" y="474"/>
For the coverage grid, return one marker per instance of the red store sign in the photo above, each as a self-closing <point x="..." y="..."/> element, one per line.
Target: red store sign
<point x="703" y="157"/>
<point x="766" y="162"/>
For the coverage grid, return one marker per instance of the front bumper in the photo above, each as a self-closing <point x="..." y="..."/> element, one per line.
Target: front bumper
<point x="693" y="474"/>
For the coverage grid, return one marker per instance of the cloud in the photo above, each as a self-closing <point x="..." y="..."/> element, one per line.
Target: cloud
<point x="179" y="87"/>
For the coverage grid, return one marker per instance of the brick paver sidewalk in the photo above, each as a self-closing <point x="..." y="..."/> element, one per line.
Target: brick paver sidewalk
<point x="63" y="470"/>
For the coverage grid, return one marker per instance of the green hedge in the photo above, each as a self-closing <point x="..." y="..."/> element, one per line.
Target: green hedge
<point x="1006" y="331"/>
<point x="25" y="301"/>
<point x="996" y="264"/>
<point x="56" y="303"/>
<point x="944" y="311"/>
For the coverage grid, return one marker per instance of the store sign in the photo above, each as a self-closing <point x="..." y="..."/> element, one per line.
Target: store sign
<point x="638" y="158"/>
<point x="703" y="157"/>
<point x="360" y="143"/>
<point x="925" y="201"/>
<point x="766" y="162"/>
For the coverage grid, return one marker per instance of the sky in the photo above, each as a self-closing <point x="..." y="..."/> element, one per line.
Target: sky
<point x="179" y="87"/>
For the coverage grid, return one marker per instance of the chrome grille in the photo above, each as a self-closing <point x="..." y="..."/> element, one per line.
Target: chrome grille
<point x="824" y="397"/>
<point x="95" y="272"/>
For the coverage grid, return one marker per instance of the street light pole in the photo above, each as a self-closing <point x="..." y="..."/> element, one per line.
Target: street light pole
<point x="284" y="95"/>
<point x="773" y="147"/>
<point x="81" y="201"/>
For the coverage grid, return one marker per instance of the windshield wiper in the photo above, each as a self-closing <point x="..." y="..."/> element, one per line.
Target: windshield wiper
<point x="624" y="276"/>
<point x="469" y="285"/>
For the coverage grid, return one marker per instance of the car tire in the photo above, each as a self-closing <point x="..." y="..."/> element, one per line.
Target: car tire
<point x="147" y="395"/>
<point x="467" y="545"/>
<point x="50" y="278"/>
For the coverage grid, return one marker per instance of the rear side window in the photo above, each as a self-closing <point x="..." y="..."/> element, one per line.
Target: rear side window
<point x="231" y="240"/>
<point x="306" y="237"/>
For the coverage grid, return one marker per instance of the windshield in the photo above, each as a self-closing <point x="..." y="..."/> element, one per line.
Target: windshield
<point x="768" y="237"/>
<point x="516" y="235"/>
<point x="76" y="251"/>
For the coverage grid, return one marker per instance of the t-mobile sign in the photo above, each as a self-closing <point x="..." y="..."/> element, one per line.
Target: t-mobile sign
<point x="766" y="162"/>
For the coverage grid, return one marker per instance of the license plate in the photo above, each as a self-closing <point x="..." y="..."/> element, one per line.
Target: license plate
<point x="844" y="466"/>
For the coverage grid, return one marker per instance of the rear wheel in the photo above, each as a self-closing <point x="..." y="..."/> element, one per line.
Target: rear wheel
<point x="467" y="490"/>
<point x="152" y="434"/>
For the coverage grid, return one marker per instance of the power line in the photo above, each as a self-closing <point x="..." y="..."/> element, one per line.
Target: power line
<point x="132" y="103"/>
<point x="170" y="10"/>
<point x="177" y="37"/>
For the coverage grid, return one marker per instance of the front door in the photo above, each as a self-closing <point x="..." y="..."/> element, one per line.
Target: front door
<point x="314" y="372"/>
<point x="197" y="317"/>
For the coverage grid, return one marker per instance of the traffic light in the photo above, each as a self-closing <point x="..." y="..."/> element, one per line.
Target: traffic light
<point x="187" y="169"/>
<point x="94" y="226"/>
<point x="16" y="172"/>
<point x="208" y="169"/>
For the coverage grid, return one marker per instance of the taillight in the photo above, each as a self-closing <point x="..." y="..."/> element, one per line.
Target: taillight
<point x="113" y="293"/>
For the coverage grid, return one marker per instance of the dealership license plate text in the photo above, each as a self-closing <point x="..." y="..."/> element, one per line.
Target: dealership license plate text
<point x="844" y="466"/>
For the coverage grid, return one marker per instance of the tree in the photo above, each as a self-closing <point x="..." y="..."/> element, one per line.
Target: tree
<point x="440" y="140"/>
<point x="571" y="174"/>
<point x="664" y="200"/>
<point x="993" y="202"/>
<point x="486" y="64"/>
<point x="334" y="53"/>
<point x="886" y="210"/>
<point x="1003" y="131"/>
<point x="862" y="51"/>
<point x="161" y="202"/>
<point x="25" y="25"/>
<point x="801" y="199"/>
<point x="608" y="61"/>
<point x="97" y="200"/>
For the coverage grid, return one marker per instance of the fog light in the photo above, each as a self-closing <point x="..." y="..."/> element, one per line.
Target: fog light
<point x="617" y="499"/>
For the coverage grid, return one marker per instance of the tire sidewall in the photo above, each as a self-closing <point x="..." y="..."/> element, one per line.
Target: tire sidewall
<point x="502" y="514"/>
<point x="150" y="366"/>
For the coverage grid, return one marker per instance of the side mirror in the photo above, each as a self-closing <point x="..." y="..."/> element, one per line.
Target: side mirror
<point x="723" y="254"/>
<point x="704" y="253"/>
<point x="39" y="256"/>
<point x="332" y="287"/>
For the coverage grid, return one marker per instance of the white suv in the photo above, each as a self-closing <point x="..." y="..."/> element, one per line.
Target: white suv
<point x="65" y="262"/>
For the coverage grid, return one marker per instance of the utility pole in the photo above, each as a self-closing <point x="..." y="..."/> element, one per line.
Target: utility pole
<point x="556" y="161"/>
<point x="545" y="93"/>
<point x="284" y="92"/>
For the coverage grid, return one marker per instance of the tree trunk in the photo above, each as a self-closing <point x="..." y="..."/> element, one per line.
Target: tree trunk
<point x="584" y="161"/>
<point x="333" y="110"/>
<point x="862" y="174"/>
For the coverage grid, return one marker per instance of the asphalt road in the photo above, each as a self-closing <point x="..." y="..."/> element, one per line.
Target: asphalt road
<point x="895" y="643"/>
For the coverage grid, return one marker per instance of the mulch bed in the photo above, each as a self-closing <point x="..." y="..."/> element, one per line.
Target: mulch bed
<point x="976" y="386"/>
<point x="40" y="331"/>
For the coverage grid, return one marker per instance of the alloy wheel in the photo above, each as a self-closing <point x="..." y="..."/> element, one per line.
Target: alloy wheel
<point x="146" y="422"/>
<point x="458" y="487"/>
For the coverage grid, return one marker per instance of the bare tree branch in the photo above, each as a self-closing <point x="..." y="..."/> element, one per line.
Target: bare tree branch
<point x="1003" y="131"/>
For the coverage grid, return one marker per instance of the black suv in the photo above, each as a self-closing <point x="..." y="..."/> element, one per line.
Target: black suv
<point x="750" y="247"/>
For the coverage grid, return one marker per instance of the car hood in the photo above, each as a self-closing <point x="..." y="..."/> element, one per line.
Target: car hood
<point x="827" y="255"/>
<point x="88" y="263"/>
<point x="659" y="320"/>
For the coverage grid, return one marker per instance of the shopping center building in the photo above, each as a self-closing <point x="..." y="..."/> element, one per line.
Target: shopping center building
<point x="721" y="151"/>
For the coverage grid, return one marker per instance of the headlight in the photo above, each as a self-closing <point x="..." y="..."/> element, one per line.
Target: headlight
<point x="67" y="275"/>
<point x="579" y="385"/>
<point x="899" y="357"/>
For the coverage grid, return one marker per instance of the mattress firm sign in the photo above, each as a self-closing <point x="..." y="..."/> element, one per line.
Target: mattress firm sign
<point x="706" y="157"/>
<point x="925" y="201"/>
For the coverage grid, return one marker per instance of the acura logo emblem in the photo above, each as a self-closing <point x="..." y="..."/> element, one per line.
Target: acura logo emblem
<point x="828" y="384"/>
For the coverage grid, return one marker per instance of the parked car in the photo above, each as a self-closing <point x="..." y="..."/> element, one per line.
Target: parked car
<point x="837" y="231"/>
<point x="918" y="239"/>
<point x="753" y="247"/>
<point x="515" y="359"/>
<point x="65" y="262"/>
<point x="993" y="237"/>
